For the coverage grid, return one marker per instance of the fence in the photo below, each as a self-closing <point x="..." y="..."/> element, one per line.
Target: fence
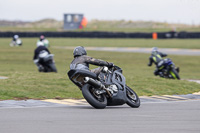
<point x="160" y="35"/>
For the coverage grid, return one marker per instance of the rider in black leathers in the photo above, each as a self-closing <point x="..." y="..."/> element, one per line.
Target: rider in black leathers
<point x="40" y="48"/>
<point x="82" y="61"/>
<point x="156" y="57"/>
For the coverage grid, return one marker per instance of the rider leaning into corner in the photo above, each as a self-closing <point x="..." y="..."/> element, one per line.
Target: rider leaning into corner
<point x="16" y="41"/>
<point x="44" y="40"/>
<point x="82" y="61"/>
<point x="156" y="57"/>
<point x="40" y="47"/>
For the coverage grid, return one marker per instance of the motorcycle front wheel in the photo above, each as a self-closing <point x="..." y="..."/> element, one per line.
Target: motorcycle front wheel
<point x="174" y="74"/>
<point x="132" y="98"/>
<point x="95" y="100"/>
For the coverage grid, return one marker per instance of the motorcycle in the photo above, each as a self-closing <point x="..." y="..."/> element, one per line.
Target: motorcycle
<point x="46" y="62"/>
<point x="168" y="69"/>
<point x="18" y="42"/>
<point x="108" y="88"/>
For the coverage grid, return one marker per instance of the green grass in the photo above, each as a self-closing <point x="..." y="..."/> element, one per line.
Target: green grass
<point x="149" y="43"/>
<point x="148" y="30"/>
<point x="160" y="43"/>
<point x="110" y="29"/>
<point x="100" y="27"/>
<point x="26" y="82"/>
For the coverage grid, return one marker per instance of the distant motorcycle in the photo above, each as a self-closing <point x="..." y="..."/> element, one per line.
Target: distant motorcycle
<point x="18" y="42"/>
<point x="107" y="89"/>
<point x="46" y="62"/>
<point x="168" y="69"/>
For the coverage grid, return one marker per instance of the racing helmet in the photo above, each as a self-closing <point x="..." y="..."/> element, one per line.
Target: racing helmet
<point x="16" y="36"/>
<point x="42" y="37"/>
<point x="78" y="51"/>
<point x="154" y="50"/>
<point x="40" y="44"/>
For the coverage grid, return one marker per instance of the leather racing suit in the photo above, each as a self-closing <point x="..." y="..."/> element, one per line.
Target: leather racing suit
<point x="82" y="62"/>
<point x="157" y="58"/>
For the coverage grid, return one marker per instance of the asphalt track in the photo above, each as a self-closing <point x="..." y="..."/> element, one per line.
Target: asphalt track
<point x="172" y="51"/>
<point x="157" y="114"/>
<point x="151" y="117"/>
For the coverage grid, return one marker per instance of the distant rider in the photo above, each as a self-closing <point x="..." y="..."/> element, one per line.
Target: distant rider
<point x="156" y="57"/>
<point x="40" y="48"/>
<point x="82" y="61"/>
<point x="44" y="41"/>
<point x="16" y="41"/>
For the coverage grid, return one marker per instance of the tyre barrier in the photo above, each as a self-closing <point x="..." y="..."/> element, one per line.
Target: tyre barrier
<point x="160" y="35"/>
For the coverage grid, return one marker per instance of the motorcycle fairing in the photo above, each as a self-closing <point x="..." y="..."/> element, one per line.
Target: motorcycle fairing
<point x="120" y="98"/>
<point x="77" y="76"/>
<point x="119" y="80"/>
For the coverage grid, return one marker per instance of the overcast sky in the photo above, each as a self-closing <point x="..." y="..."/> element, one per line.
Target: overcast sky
<point x="173" y="11"/>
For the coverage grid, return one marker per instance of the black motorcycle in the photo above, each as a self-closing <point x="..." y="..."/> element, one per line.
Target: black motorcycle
<point x="46" y="62"/>
<point x="168" y="69"/>
<point x="108" y="88"/>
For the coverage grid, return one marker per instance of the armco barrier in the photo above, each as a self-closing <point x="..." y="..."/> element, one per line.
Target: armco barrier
<point x="160" y="35"/>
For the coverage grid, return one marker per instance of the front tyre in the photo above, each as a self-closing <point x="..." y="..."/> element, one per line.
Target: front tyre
<point x="174" y="74"/>
<point x="95" y="100"/>
<point x="132" y="98"/>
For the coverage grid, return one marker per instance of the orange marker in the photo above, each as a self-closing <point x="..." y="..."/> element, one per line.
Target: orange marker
<point x="154" y="36"/>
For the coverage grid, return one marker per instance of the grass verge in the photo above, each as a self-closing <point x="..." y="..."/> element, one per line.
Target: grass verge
<point x="25" y="82"/>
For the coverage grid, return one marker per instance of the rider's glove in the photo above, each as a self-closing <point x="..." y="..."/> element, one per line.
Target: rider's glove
<point x="110" y="65"/>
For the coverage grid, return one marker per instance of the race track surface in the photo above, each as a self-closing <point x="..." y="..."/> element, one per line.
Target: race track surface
<point x="151" y="117"/>
<point x="172" y="51"/>
<point x="157" y="114"/>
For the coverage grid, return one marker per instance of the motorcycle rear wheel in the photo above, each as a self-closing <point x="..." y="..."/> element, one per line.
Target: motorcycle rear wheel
<point x="132" y="98"/>
<point x="95" y="100"/>
<point x="52" y="67"/>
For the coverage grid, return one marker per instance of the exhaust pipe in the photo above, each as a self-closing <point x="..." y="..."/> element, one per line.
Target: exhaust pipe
<point x="94" y="83"/>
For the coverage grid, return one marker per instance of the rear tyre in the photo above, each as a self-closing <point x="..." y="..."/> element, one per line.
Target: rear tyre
<point x="95" y="100"/>
<point x="132" y="98"/>
<point x="52" y="67"/>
